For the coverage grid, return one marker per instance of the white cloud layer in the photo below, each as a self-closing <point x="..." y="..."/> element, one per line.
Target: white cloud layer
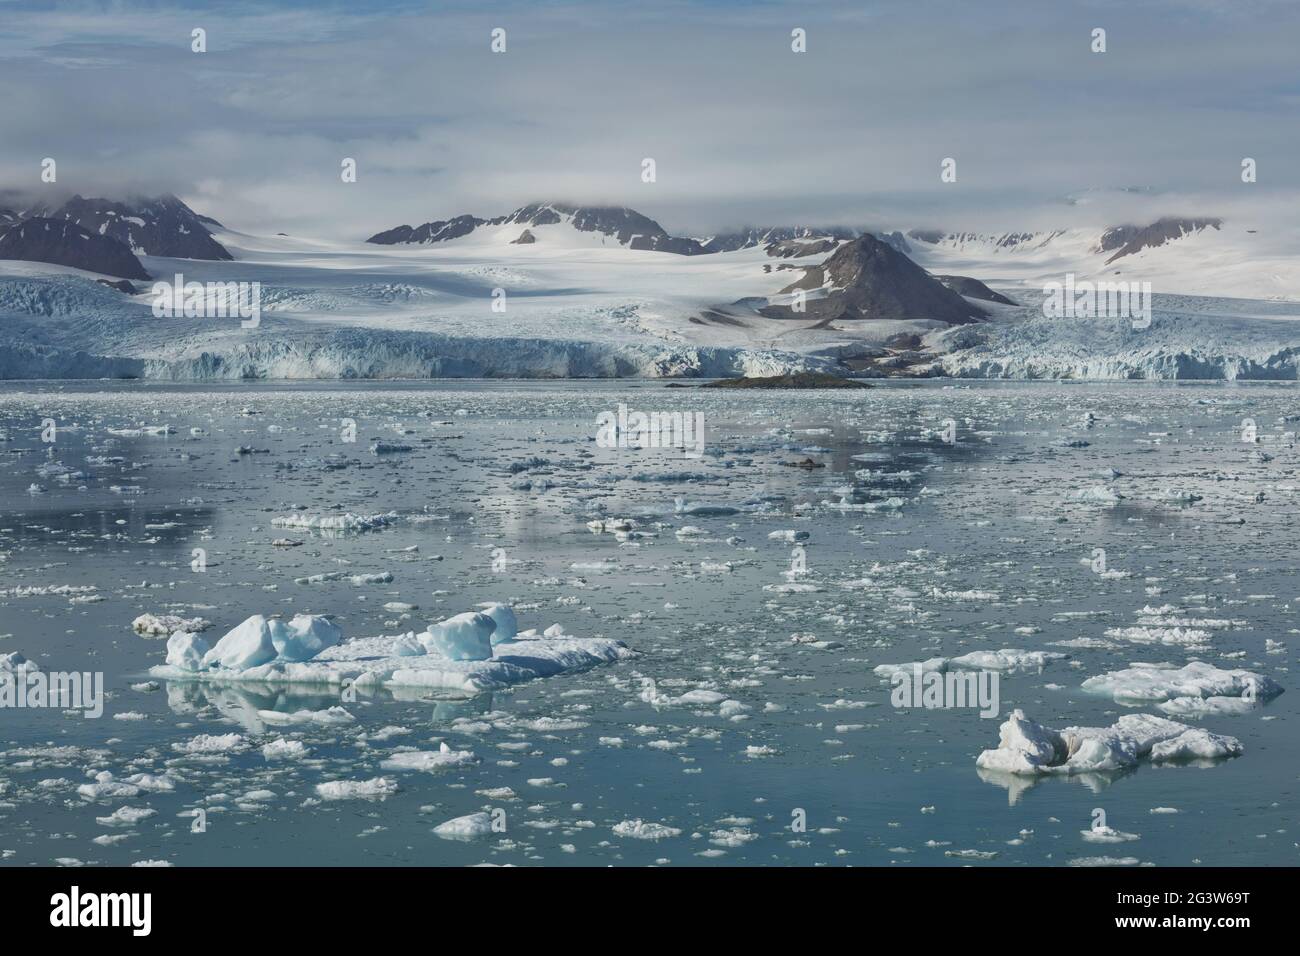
<point x="742" y="129"/>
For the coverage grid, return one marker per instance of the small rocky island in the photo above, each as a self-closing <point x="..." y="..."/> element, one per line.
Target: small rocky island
<point x="791" y="380"/>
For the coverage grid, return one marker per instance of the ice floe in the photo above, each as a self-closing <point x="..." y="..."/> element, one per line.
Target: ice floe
<point x="1006" y="659"/>
<point x="1028" y="748"/>
<point x="263" y="650"/>
<point x="1197" y="687"/>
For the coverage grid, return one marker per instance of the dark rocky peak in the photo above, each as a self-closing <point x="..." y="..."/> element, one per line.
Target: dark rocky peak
<point x="64" y="243"/>
<point x="159" y="226"/>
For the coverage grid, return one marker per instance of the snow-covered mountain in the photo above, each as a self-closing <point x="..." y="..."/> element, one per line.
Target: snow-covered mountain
<point x="160" y="226"/>
<point x="602" y="224"/>
<point x="606" y="225"/>
<point x="562" y="290"/>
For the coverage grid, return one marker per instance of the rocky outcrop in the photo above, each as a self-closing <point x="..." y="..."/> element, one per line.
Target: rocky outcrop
<point x="869" y="279"/>
<point x="63" y="243"/>
<point x="1126" y="240"/>
<point x="974" y="289"/>
<point x="162" y="226"/>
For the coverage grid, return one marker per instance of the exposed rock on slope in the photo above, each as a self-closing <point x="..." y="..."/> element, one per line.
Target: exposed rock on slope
<point x="973" y="289"/>
<point x="626" y="226"/>
<point x="868" y="279"/>
<point x="163" y="226"/>
<point x="440" y="231"/>
<point x="1130" y="239"/>
<point x="65" y="244"/>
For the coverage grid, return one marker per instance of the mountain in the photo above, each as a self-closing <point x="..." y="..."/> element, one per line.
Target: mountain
<point x="67" y="244"/>
<point x="442" y="230"/>
<point x="626" y="226"/>
<point x="632" y="230"/>
<point x="773" y="236"/>
<point x="1126" y="240"/>
<point x="869" y="279"/>
<point x="1226" y="305"/>
<point x="1002" y="241"/>
<point x="162" y="226"/>
<point x="973" y="289"/>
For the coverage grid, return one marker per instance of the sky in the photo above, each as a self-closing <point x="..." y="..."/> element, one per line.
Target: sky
<point x="742" y="129"/>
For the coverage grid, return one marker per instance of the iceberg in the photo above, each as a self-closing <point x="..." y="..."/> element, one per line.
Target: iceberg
<point x="407" y="661"/>
<point x="186" y="651"/>
<point x="1030" y="749"/>
<point x="465" y="637"/>
<point x="1196" y="681"/>
<point x="304" y="637"/>
<point x="1005" y="659"/>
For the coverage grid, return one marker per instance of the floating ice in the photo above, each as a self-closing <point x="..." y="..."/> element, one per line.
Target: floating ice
<point x="639" y="829"/>
<point x="331" y="716"/>
<point x="1105" y="834"/>
<point x="259" y="640"/>
<point x="440" y="759"/>
<point x="213" y="744"/>
<point x="406" y="660"/>
<point x="466" y="827"/>
<point x="465" y="637"/>
<point x="335" y="524"/>
<point x="1098" y="495"/>
<point x="1198" y="680"/>
<point x="164" y="625"/>
<point x="1027" y="748"/>
<point x="186" y="651"/>
<point x="1178" y="636"/>
<point x="506" y="624"/>
<point x="374" y="789"/>
<point x="245" y="645"/>
<point x="283" y="749"/>
<point x="1006" y="659"/>
<point x="304" y="637"/>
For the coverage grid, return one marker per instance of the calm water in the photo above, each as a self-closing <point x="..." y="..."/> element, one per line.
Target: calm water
<point x="987" y="548"/>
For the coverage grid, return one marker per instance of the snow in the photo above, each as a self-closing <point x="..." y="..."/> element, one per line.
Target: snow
<point x="580" y="304"/>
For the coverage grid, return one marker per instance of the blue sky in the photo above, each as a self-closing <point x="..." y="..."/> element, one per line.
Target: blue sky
<point x="742" y="129"/>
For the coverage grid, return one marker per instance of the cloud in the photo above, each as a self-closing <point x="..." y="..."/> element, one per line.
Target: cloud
<point x="742" y="129"/>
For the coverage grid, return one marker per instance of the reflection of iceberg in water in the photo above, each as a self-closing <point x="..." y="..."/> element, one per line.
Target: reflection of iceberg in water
<point x="1017" y="785"/>
<point x="243" y="702"/>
